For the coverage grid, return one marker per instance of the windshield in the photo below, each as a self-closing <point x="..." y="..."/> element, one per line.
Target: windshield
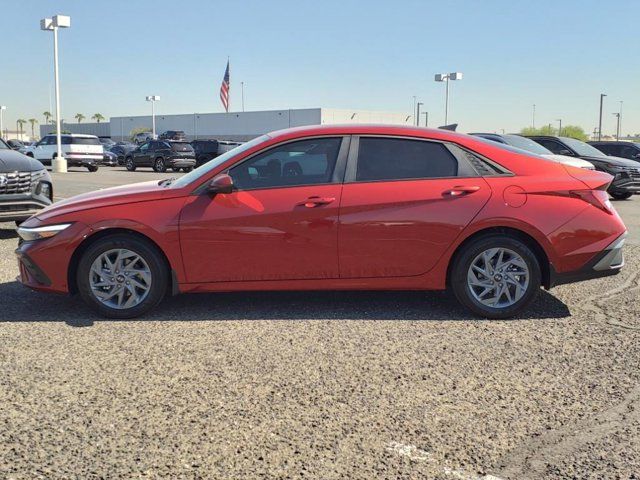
<point x="526" y="144"/>
<point x="3" y="146"/>
<point x="194" y="175"/>
<point x="506" y="146"/>
<point x="582" y="148"/>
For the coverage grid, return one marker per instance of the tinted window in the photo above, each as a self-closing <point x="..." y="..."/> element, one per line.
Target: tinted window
<point x="552" y="145"/>
<point x="181" y="147"/>
<point x="307" y="162"/>
<point x="80" y="141"/>
<point x="627" y="151"/>
<point x="582" y="148"/>
<point x="397" y="159"/>
<point x="50" y="141"/>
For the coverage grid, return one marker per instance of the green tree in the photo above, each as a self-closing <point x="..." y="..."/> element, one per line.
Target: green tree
<point x="79" y="117"/>
<point x="574" y="131"/>
<point x="20" y="123"/>
<point x="33" y="122"/>
<point x="47" y="117"/>
<point x="97" y="117"/>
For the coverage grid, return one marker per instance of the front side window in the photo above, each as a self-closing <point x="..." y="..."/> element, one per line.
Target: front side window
<point x="144" y="147"/>
<point x="552" y="145"/>
<point x="305" y="162"/>
<point x="401" y="159"/>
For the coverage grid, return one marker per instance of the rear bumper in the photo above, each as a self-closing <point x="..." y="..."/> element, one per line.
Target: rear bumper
<point x="180" y="162"/>
<point x="608" y="262"/>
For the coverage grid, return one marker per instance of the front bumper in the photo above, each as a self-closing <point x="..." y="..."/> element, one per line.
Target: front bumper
<point x="625" y="183"/>
<point x="18" y="207"/>
<point x="608" y="262"/>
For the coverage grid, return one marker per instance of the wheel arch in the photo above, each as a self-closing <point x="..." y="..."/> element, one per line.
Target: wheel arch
<point x="72" y="269"/>
<point x="524" y="237"/>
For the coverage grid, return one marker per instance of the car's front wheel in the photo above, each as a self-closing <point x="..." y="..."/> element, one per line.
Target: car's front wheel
<point x="495" y="276"/>
<point x="128" y="163"/>
<point x="122" y="276"/>
<point x="92" y="168"/>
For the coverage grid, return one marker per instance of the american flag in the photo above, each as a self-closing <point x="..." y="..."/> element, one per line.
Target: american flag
<point x="224" y="89"/>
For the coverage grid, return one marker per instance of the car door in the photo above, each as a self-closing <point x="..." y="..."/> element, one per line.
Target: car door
<point x="141" y="156"/>
<point x="42" y="151"/>
<point x="404" y="202"/>
<point x="279" y="223"/>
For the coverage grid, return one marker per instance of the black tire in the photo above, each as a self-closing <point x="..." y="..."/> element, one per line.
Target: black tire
<point x="462" y="264"/>
<point x="128" y="163"/>
<point x="175" y="169"/>
<point x="159" y="165"/>
<point x="92" y="168"/>
<point x="187" y="169"/>
<point x="620" y="195"/>
<point x="29" y="154"/>
<point x="146" y="250"/>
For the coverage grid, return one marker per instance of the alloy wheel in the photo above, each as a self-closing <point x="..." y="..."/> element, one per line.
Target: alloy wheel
<point x="498" y="277"/>
<point x="120" y="278"/>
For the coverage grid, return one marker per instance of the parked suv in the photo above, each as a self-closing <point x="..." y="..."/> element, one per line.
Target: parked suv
<point x="25" y="185"/>
<point x="628" y="150"/>
<point x="177" y="135"/>
<point x="79" y="150"/>
<point x="626" y="173"/>
<point x="209" y="149"/>
<point x="162" y="155"/>
<point x="142" y="137"/>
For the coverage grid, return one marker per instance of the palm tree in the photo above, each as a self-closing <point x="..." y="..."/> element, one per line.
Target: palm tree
<point x="47" y="117"/>
<point x="97" y="117"/>
<point x="20" y="122"/>
<point x="79" y="117"/>
<point x="33" y="122"/>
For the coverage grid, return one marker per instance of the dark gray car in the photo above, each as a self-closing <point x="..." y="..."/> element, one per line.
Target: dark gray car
<point x="25" y="185"/>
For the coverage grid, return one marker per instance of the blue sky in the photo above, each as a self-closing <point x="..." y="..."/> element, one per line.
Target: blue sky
<point x="374" y="55"/>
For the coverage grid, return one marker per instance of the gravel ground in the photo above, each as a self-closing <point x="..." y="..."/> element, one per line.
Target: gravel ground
<point x="331" y="385"/>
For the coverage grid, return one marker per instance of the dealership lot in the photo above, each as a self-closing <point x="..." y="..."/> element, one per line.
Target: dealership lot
<point x="320" y="385"/>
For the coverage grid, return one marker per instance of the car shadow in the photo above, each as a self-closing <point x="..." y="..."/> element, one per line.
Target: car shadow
<point x="30" y="306"/>
<point x="8" y="233"/>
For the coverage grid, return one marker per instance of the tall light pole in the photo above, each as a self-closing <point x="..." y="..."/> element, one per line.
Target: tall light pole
<point x="426" y="119"/>
<point x="446" y="77"/>
<point x="617" y="114"/>
<point x="59" y="163"/>
<point x="620" y="120"/>
<point x="2" y="109"/>
<point x="533" y="122"/>
<point x="415" y="122"/>
<point x="602" y="95"/>
<point x="418" y="113"/>
<point x="560" y="127"/>
<point x="153" y="99"/>
<point x="242" y="88"/>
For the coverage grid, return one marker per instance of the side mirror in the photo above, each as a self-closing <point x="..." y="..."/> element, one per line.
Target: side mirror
<point x="566" y="152"/>
<point x="222" y="183"/>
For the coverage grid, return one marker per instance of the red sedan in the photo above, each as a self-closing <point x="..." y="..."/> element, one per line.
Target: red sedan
<point x="356" y="207"/>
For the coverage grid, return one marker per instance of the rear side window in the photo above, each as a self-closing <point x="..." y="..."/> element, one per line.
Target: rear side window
<point x="401" y="159"/>
<point x="80" y="141"/>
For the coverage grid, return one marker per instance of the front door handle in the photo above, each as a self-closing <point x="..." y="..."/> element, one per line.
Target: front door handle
<point x="459" y="191"/>
<point x="312" y="202"/>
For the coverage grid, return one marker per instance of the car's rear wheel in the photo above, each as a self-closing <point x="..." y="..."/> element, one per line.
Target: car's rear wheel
<point x="122" y="276"/>
<point x="620" y="195"/>
<point x="129" y="165"/>
<point x="92" y="168"/>
<point x="496" y="276"/>
<point x="159" y="165"/>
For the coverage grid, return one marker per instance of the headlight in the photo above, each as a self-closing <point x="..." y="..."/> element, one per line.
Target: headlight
<point x="40" y="233"/>
<point x="45" y="189"/>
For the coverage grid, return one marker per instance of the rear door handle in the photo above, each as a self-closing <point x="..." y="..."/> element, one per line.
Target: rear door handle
<point x="312" y="202"/>
<point x="459" y="191"/>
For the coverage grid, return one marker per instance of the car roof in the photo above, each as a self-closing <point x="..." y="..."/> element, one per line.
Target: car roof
<point x="616" y="142"/>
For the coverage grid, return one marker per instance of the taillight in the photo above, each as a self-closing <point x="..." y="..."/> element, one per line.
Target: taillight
<point x="597" y="198"/>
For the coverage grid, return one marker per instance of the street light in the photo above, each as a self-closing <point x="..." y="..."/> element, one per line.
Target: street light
<point x="418" y="113"/>
<point x="153" y="99"/>
<point x="445" y="77"/>
<point x="617" y="114"/>
<point x="533" y="123"/>
<point x="426" y="119"/>
<point x="59" y="163"/>
<point x="2" y="109"/>
<point x="602" y="95"/>
<point x="560" y="127"/>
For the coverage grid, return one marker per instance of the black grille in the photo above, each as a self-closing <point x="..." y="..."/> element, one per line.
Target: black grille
<point x="16" y="182"/>
<point x="633" y="172"/>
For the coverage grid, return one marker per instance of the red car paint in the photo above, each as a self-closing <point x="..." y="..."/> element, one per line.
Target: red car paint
<point x="360" y="235"/>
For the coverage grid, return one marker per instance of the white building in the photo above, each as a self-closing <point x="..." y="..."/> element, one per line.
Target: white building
<point x="234" y="125"/>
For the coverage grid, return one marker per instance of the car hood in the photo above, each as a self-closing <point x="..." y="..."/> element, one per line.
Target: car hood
<point x="572" y="161"/>
<point x="136" y="192"/>
<point x="12" y="160"/>
<point x="617" y="161"/>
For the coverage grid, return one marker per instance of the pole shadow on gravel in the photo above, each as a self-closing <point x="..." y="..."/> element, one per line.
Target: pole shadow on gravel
<point x="24" y="305"/>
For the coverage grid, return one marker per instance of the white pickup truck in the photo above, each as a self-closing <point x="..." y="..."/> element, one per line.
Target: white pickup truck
<point x="79" y="150"/>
